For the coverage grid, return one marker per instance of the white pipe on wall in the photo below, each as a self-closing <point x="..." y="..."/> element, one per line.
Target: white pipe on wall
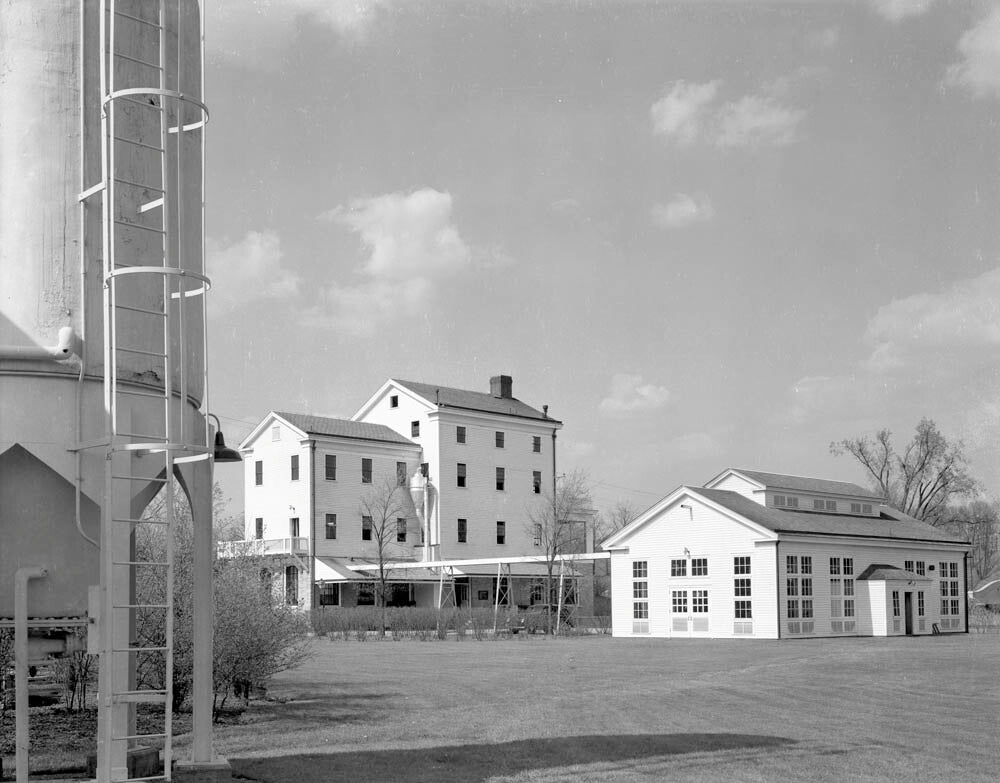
<point x="66" y="347"/>
<point x="21" y="577"/>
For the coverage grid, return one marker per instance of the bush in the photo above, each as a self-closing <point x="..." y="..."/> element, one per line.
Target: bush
<point x="410" y="622"/>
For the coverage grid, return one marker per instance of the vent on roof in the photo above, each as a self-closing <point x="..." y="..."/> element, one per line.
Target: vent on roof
<point x="502" y="387"/>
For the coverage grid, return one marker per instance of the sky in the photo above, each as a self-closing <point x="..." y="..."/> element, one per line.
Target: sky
<point x="705" y="234"/>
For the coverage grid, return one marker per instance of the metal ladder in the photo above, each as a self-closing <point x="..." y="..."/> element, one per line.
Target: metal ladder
<point x="145" y="376"/>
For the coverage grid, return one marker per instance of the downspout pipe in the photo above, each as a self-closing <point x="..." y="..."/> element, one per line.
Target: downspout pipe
<point x="21" y="577"/>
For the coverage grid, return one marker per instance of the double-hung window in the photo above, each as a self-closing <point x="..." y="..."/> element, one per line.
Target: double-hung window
<point x="330" y="467"/>
<point x="640" y="596"/>
<point x="366" y="470"/>
<point x="295" y="467"/>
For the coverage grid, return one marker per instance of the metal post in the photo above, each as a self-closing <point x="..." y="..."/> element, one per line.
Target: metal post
<point x="21" y="577"/>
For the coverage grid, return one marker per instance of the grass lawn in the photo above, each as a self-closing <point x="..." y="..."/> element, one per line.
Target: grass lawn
<point x="602" y="709"/>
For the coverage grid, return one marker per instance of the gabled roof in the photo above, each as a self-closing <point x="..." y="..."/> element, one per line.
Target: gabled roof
<point x="879" y="572"/>
<point x="889" y="524"/>
<point x="343" y="428"/>
<point x="448" y="397"/>
<point x="802" y="483"/>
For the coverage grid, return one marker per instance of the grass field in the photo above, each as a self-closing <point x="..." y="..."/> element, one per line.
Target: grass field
<point x="601" y="709"/>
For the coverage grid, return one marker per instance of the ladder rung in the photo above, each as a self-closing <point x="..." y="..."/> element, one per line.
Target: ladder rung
<point x="140" y="563"/>
<point x="139" y="19"/>
<point x="141" y="352"/>
<point x="140" y="521"/>
<point x="142" y="697"/>
<point x="138" y="143"/>
<point x="138" y="185"/>
<point x="90" y="191"/>
<point x="139" y="393"/>
<point x="139" y="225"/>
<point x="133" y="309"/>
<point x="139" y="478"/>
<point x="138" y="650"/>
<point x="141" y="736"/>
<point x="143" y="436"/>
<point x="137" y="60"/>
<point x="143" y="104"/>
<point x="151" y="205"/>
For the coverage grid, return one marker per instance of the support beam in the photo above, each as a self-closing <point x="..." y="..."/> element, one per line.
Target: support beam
<point x="22" y="744"/>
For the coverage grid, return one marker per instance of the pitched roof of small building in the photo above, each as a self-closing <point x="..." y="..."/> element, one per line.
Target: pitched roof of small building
<point x="877" y="572"/>
<point x="807" y="484"/>
<point x="889" y="524"/>
<point x="446" y="396"/>
<point x="343" y="428"/>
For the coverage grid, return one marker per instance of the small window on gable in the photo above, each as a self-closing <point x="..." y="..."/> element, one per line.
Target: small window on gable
<point x="394" y="401"/>
<point x="792" y="502"/>
<point x="276" y="432"/>
<point x="414" y="429"/>
<point x="855" y="508"/>
<point x="831" y="505"/>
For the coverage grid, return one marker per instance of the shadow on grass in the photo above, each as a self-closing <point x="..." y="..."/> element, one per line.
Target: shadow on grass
<point x="324" y="707"/>
<point x="477" y="763"/>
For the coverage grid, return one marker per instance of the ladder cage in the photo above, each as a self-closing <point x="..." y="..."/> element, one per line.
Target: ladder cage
<point x="151" y="190"/>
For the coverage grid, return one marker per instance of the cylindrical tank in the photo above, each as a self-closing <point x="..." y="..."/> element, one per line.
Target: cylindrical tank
<point x="59" y="137"/>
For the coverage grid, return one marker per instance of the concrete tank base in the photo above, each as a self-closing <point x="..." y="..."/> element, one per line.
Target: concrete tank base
<point x="217" y="771"/>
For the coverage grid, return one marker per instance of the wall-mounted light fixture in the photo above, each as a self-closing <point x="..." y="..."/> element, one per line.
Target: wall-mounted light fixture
<point x="221" y="452"/>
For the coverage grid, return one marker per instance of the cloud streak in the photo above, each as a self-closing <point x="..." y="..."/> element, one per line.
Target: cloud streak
<point x="689" y="112"/>
<point x="979" y="69"/>
<point x="413" y="247"/>
<point x="630" y="395"/>
<point x="682" y="210"/>
<point x="248" y="270"/>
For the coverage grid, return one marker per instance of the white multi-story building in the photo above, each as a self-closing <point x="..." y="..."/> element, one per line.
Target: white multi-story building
<point x="766" y="555"/>
<point x="469" y="470"/>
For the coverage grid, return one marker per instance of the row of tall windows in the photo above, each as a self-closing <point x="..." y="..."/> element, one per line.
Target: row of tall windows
<point x="462" y="478"/>
<point x="742" y="595"/>
<point x="950" y="596"/>
<point x="842" y="600"/>
<point x="499" y="439"/>
<point x="799" y="593"/>
<point x="640" y="596"/>
<point x="330" y="470"/>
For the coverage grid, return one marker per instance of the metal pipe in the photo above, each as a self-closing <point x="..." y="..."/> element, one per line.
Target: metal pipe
<point x="65" y="348"/>
<point x="21" y="577"/>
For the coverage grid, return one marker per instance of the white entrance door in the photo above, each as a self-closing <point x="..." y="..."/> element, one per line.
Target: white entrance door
<point x="689" y="612"/>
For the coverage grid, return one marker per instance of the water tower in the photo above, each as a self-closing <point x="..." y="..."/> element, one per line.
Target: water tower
<point x="102" y="337"/>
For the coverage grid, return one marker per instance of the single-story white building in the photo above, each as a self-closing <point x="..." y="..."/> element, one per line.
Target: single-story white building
<point x="770" y="556"/>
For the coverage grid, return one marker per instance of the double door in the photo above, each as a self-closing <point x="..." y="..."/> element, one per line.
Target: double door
<point x="689" y="611"/>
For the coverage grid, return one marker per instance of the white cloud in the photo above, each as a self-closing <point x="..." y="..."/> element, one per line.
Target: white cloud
<point x="979" y="69"/>
<point x="253" y="31"/>
<point x="678" y="115"/>
<point x="895" y="10"/>
<point x="413" y="247"/>
<point x="686" y="114"/>
<point x="247" y="270"/>
<point x="756" y="120"/>
<point x="966" y="316"/>
<point x="682" y="210"/>
<point x="630" y="395"/>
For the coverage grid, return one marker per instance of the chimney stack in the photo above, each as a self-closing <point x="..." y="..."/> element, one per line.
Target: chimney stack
<point x="502" y="386"/>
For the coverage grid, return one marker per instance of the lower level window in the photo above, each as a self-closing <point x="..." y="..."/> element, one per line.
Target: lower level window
<point x="366" y="595"/>
<point x="292" y="585"/>
<point x="329" y="595"/>
<point x="679" y="601"/>
<point x="699" y="601"/>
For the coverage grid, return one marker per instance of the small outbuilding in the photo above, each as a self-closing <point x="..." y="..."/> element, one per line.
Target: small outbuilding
<point x="767" y="555"/>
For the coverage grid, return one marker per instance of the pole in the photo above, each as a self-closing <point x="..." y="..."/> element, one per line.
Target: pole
<point x="21" y="577"/>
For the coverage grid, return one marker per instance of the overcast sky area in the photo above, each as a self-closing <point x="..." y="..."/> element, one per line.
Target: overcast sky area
<point x="707" y="235"/>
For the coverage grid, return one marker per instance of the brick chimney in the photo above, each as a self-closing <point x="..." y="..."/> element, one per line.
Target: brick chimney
<point x="502" y="387"/>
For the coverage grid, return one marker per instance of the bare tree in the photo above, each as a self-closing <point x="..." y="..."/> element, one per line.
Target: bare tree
<point x="387" y="514"/>
<point x="922" y="480"/>
<point x="978" y="523"/>
<point x="617" y="517"/>
<point x="256" y="634"/>
<point x="558" y="525"/>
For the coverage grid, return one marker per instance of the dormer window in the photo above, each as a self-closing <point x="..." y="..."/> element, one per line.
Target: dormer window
<point x="861" y="508"/>
<point x="786" y="501"/>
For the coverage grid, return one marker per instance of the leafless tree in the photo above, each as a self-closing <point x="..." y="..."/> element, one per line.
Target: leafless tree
<point x="256" y="633"/>
<point x="978" y="523"/>
<point x="559" y="527"/>
<point x="617" y="517"/>
<point x="931" y="471"/>
<point x="387" y="514"/>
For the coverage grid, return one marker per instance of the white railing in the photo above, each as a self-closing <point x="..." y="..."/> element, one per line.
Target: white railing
<point x="258" y="547"/>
